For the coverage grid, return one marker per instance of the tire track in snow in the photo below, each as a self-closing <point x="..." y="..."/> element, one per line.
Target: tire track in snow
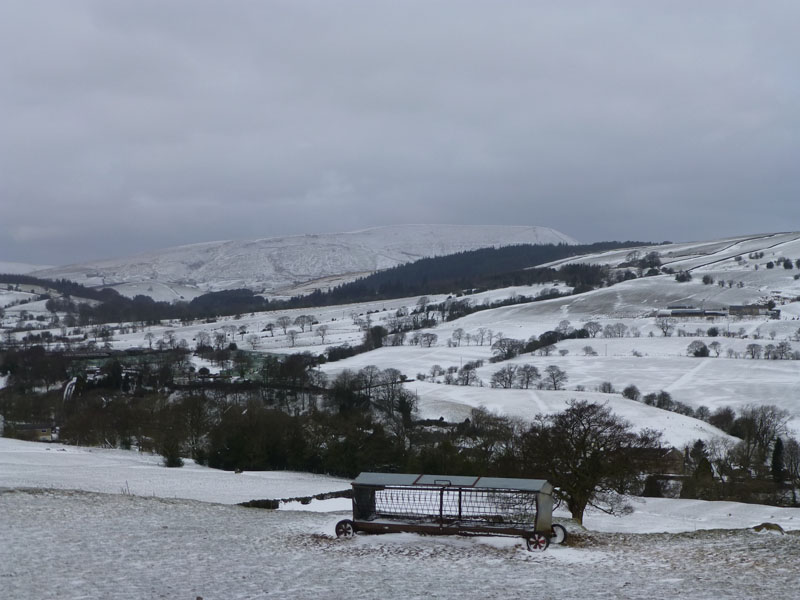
<point x="690" y="375"/>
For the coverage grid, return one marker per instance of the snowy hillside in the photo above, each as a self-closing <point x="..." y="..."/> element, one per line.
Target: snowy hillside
<point x="16" y="268"/>
<point x="279" y="264"/>
<point x="718" y="258"/>
<point x="56" y="466"/>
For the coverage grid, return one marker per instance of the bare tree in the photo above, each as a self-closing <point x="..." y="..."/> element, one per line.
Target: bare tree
<point x="504" y="378"/>
<point x="526" y="375"/>
<point x="292" y="335"/>
<point x="556" y="377"/>
<point x="436" y="371"/>
<point x="303" y="320"/>
<point x="791" y="461"/>
<point x="219" y="340"/>
<point x="783" y="350"/>
<point x="428" y="339"/>
<point x="590" y="452"/>
<point x="322" y="331"/>
<point x="253" y="340"/>
<point x="564" y="328"/>
<point x="759" y="426"/>
<point x="592" y="328"/>
<point x="506" y="348"/>
<point x="666" y="325"/>
<point x="283" y="322"/>
<point x="203" y="338"/>
<point x="369" y="377"/>
<point x="546" y="350"/>
<point x="389" y="390"/>
<point x="468" y="375"/>
<point x="457" y="335"/>
<point x="169" y="338"/>
<point x="753" y="350"/>
<point x="615" y="330"/>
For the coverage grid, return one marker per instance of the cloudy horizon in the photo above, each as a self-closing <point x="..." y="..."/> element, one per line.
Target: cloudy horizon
<point x="133" y="126"/>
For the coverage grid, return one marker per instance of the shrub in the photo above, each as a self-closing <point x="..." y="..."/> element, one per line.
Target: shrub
<point x="631" y="392"/>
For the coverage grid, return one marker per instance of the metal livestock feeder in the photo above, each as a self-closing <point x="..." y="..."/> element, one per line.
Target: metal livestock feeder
<point x="453" y="505"/>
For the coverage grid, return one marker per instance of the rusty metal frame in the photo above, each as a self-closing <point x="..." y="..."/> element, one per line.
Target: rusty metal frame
<point x="488" y="514"/>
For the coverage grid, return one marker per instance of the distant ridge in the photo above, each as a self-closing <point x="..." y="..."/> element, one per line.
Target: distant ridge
<point x="15" y="268"/>
<point x="283" y="264"/>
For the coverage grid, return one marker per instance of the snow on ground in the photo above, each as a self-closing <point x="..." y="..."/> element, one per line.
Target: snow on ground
<point x="17" y="268"/>
<point x="65" y="545"/>
<point x="668" y="515"/>
<point x="56" y="466"/>
<point x="282" y="262"/>
<point x="713" y="382"/>
<point x="717" y="254"/>
<point x="160" y="292"/>
<point x="8" y="297"/>
<point x="59" y="468"/>
<point x="62" y="539"/>
<point x="455" y="402"/>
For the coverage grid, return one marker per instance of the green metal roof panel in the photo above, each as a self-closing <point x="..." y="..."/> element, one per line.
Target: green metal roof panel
<point x="385" y="479"/>
<point x="441" y="480"/>
<point x="511" y="483"/>
<point x="493" y="483"/>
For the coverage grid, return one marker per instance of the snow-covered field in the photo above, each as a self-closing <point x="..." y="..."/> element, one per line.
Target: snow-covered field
<point x="154" y="543"/>
<point x="57" y="466"/>
<point x="455" y="402"/>
<point x="63" y="545"/>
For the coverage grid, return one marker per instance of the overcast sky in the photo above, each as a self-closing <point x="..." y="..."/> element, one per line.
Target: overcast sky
<point x="136" y="125"/>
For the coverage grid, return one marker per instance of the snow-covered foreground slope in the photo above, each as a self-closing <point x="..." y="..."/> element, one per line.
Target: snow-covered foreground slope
<point x="144" y="539"/>
<point x="56" y="466"/>
<point x="273" y="264"/>
<point x="62" y="545"/>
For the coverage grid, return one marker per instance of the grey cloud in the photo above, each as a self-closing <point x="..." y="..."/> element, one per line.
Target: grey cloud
<point x="128" y="126"/>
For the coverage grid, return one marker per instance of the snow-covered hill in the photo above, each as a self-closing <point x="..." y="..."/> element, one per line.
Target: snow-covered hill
<point x="280" y="264"/>
<point x="16" y="268"/>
